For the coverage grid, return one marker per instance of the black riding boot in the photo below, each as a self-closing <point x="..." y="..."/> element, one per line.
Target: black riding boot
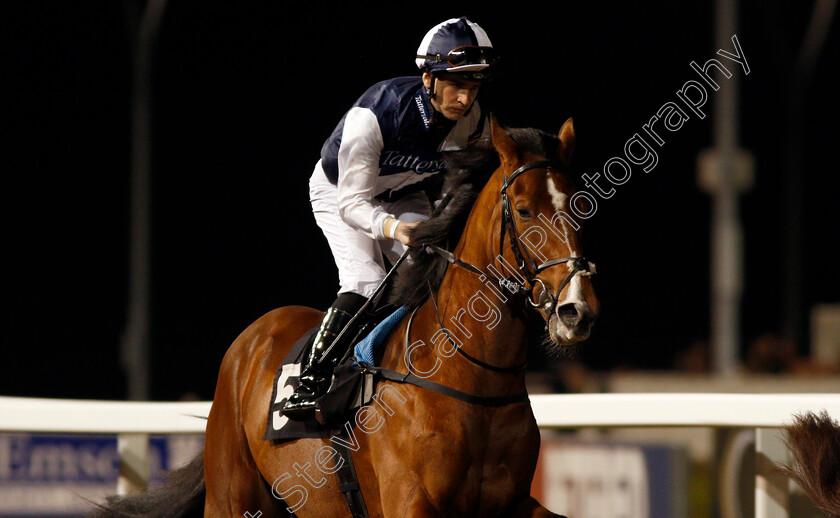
<point x="317" y="371"/>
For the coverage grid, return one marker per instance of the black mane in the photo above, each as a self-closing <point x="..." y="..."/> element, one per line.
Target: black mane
<point x="467" y="173"/>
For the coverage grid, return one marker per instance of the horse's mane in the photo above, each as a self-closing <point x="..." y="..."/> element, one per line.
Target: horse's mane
<point x="467" y="173"/>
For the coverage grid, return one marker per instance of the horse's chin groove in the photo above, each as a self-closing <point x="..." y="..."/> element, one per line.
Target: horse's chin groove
<point x="559" y="351"/>
<point x="556" y="345"/>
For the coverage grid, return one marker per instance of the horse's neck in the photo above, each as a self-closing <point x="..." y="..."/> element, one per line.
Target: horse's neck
<point x="483" y="320"/>
<point x="474" y="320"/>
<point x="491" y="318"/>
<point x="482" y="315"/>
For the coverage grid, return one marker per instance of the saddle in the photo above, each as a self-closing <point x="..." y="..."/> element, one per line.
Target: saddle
<point x="352" y="383"/>
<point x="353" y="386"/>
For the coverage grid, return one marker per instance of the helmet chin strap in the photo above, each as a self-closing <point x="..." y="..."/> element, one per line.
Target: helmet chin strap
<point x="430" y="90"/>
<point x="438" y="118"/>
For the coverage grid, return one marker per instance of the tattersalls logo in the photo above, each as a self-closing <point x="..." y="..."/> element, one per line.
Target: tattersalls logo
<point x="422" y="107"/>
<point x="393" y="159"/>
<point x="481" y="307"/>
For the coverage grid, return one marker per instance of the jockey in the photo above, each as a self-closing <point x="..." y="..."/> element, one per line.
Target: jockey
<point x="367" y="188"/>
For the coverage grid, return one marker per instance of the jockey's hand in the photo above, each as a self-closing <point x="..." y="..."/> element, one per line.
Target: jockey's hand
<point x="401" y="232"/>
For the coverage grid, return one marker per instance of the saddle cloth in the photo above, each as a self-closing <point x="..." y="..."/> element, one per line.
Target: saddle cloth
<point x="286" y="381"/>
<point x="366" y="348"/>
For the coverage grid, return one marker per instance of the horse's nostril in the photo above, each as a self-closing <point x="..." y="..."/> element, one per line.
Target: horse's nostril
<point x="570" y="314"/>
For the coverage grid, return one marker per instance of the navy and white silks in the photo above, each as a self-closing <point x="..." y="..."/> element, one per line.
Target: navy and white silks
<point x="370" y="170"/>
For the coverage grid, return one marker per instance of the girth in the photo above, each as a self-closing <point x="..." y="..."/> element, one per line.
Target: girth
<point x="348" y="481"/>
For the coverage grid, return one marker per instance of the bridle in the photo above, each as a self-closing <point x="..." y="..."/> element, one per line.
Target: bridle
<point x="528" y="268"/>
<point x="525" y="263"/>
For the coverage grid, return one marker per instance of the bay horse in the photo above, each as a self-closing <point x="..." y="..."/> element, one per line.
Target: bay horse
<point x="517" y="264"/>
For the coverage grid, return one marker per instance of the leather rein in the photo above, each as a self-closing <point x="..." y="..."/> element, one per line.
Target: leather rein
<point x="528" y="268"/>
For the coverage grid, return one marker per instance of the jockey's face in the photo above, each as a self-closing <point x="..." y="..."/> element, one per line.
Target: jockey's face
<point x="453" y="94"/>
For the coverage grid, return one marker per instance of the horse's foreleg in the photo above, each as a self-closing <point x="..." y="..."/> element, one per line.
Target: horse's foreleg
<point x="530" y="508"/>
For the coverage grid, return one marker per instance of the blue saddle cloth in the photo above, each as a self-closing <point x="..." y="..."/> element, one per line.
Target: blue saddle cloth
<point x="366" y="348"/>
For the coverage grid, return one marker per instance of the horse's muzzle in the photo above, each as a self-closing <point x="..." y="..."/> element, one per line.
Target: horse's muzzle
<point x="571" y="323"/>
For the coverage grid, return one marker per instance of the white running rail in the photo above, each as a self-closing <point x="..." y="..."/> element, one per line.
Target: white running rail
<point x="133" y="421"/>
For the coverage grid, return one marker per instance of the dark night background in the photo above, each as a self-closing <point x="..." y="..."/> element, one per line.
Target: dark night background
<point x="244" y="95"/>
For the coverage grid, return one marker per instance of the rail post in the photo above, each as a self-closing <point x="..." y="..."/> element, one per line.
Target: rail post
<point x="133" y="452"/>
<point x="771" y="487"/>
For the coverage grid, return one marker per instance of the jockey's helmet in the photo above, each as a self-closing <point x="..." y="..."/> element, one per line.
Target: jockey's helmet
<point x="457" y="46"/>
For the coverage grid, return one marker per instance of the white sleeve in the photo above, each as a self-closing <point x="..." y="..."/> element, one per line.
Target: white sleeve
<point x="358" y="172"/>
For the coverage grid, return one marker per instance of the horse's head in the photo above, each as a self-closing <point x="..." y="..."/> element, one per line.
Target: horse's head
<point x="539" y="231"/>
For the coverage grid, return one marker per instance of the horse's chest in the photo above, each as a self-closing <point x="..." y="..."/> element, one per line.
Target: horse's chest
<point x="478" y="464"/>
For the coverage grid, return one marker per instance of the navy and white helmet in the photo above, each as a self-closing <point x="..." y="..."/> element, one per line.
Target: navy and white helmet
<point x="458" y="46"/>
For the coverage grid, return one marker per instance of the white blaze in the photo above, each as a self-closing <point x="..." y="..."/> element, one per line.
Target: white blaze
<point x="558" y="199"/>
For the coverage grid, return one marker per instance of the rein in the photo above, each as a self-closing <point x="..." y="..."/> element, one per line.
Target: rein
<point x="528" y="268"/>
<point x="513" y="369"/>
<point x="525" y="263"/>
<point x="460" y="395"/>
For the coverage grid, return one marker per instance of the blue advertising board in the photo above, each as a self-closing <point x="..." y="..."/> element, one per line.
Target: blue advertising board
<point x="61" y="475"/>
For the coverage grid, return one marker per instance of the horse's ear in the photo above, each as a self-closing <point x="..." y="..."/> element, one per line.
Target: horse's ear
<point x="503" y="143"/>
<point x="567" y="141"/>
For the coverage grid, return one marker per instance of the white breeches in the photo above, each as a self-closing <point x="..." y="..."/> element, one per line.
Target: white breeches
<point x="358" y="256"/>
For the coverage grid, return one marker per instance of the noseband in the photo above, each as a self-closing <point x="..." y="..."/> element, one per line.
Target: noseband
<point x="528" y="268"/>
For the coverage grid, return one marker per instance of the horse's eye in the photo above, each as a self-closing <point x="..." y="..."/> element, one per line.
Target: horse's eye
<point x="524" y="213"/>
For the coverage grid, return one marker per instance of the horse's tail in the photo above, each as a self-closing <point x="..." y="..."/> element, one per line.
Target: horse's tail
<point x="815" y="443"/>
<point x="182" y="496"/>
